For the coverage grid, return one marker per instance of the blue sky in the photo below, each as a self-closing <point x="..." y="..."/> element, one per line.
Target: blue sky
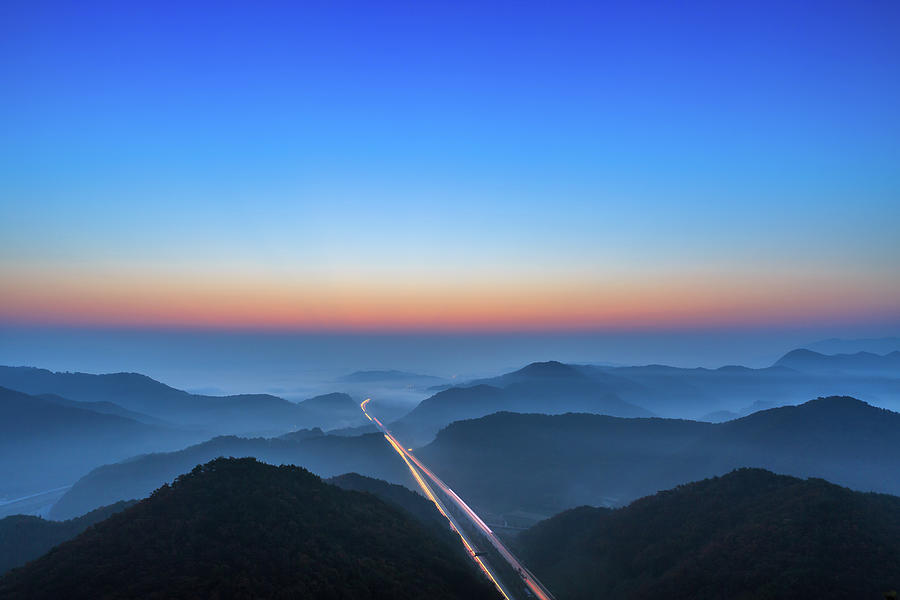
<point x="482" y="146"/>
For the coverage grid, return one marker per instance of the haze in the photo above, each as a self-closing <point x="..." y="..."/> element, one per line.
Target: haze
<point x="450" y="301"/>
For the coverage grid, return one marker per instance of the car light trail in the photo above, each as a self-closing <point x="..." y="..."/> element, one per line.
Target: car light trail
<point x="453" y="525"/>
<point x="527" y="577"/>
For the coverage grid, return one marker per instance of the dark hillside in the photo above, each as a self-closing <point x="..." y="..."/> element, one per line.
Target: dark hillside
<point x="24" y="537"/>
<point x="237" y="528"/>
<point x="748" y="534"/>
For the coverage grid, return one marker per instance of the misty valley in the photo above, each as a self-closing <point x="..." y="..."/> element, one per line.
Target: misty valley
<point x="554" y="480"/>
<point x="355" y="300"/>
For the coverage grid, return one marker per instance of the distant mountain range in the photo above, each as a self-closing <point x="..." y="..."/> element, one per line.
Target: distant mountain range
<point x="237" y="528"/>
<point x="884" y="345"/>
<point x="748" y="534"/>
<point x="550" y="388"/>
<point x="47" y="441"/>
<point x="245" y="414"/>
<point x="858" y="363"/>
<point x="546" y="463"/>
<point x="707" y="394"/>
<point x="121" y="415"/>
<point x="55" y="427"/>
<point x="326" y="455"/>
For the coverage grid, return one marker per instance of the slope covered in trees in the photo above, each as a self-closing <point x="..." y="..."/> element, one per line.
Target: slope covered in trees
<point x="748" y="534"/>
<point x="25" y="537"/>
<point x="326" y="455"/>
<point x="237" y="528"/>
<point x="548" y="463"/>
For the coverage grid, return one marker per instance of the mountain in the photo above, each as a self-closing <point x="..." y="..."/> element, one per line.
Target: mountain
<point x="302" y="434"/>
<point x="719" y="416"/>
<point x="325" y="455"/>
<point x="106" y="408"/>
<point x="239" y="528"/>
<point x="333" y="411"/>
<point x="542" y="464"/>
<point x="248" y="413"/>
<point x="551" y="369"/>
<point x="244" y="414"/>
<point x="747" y="534"/>
<point x="46" y="442"/>
<point x="553" y="387"/>
<point x="445" y="407"/>
<point x="693" y="393"/>
<point x="550" y="388"/>
<point x="859" y="363"/>
<point x="883" y="345"/>
<point x="509" y="462"/>
<point x="398" y="495"/>
<point x="24" y="538"/>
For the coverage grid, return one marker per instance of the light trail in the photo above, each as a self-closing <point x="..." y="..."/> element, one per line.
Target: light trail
<point x="536" y="587"/>
<point x="429" y="493"/>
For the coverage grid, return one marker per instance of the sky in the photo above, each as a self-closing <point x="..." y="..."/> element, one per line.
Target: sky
<point x="365" y="167"/>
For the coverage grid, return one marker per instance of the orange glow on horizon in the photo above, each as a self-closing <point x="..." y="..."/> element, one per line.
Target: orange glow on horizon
<point x="548" y="303"/>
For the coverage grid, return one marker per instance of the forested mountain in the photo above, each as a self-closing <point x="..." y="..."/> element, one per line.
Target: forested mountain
<point x="748" y="534"/>
<point x="546" y="463"/>
<point x="401" y="496"/>
<point x="24" y="537"/>
<point x="323" y="454"/>
<point x="239" y="528"/>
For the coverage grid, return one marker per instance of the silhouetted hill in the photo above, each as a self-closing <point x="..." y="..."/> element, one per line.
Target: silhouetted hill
<point x="551" y="369"/>
<point x="719" y="416"/>
<point x="333" y="411"/>
<point x="398" y="495"/>
<point x="445" y="407"/>
<point x="325" y="455"/>
<point x="24" y="415"/>
<point x="546" y="463"/>
<point x="860" y="363"/>
<point x="748" y="534"/>
<point x="106" y="408"/>
<point x="46" y="443"/>
<point x="685" y="393"/>
<point x="243" y="414"/>
<point x="302" y="434"/>
<point x="239" y="528"/>
<point x="550" y="388"/>
<point x="24" y="538"/>
<point x="840" y="439"/>
<point x="330" y="402"/>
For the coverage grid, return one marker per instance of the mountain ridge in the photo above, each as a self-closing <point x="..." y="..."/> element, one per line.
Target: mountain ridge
<point x="747" y="534"/>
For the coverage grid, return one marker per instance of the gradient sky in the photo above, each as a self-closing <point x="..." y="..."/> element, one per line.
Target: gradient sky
<point x="450" y="165"/>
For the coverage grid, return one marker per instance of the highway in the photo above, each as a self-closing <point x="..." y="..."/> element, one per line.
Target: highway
<point x="531" y="582"/>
